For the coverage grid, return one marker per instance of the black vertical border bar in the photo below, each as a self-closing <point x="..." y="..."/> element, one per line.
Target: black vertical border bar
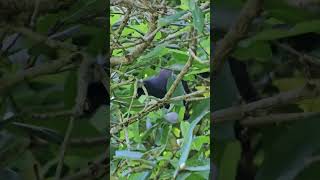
<point x="107" y="27"/>
<point x="212" y="175"/>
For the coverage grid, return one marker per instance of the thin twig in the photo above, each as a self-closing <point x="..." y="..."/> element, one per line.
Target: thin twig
<point x="8" y="81"/>
<point x="277" y="118"/>
<point x="38" y="38"/>
<point x="251" y="9"/>
<point x="83" y="80"/>
<point x="96" y="169"/>
<point x="139" y="48"/>
<point x="35" y="13"/>
<point x="310" y="59"/>
<point x="241" y="111"/>
<point x="64" y="147"/>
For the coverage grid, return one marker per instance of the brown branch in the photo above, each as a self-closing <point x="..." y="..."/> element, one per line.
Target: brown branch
<point x="277" y="118"/>
<point x="14" y="8"/>
<point x="89" y="141"/>
<point x="83" y="81"/>
<point x="8" y="81"/>
<point x="310" y="59"/>
<point x="187" y="96"/>
<point x="104" y="77"/>
<point x="310" y="160"/>
<point x="250" y="10"/>
<point x="179" y="78"/>
<point x="38" y="38"/>
<point x="96" y="169"/>
<point x="84" y="76"/>
<point x="74" y="142"/>
<point x="139" y="48"/>
<point x="119" y="31"/>
<point x="123" y="24"/>
<point x="48" y="115"/>
<point x="241" y="111"/>
<point x="63" y="148"/>
<point x="145" y="6"/>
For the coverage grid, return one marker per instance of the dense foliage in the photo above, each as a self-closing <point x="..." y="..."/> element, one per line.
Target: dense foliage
<point x="46" y="130"/>
<point x="56" y="103"/>
<point x="275" y="134"/>
<point x="146" y="142"/>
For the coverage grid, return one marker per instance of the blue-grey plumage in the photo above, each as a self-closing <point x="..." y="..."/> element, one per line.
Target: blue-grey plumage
<point x="157" y="85"/>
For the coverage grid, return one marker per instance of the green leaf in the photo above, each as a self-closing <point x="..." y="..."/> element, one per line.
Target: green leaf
<point x="198" y="16"/>
<point x="184" y="4"/>
<point x="225" y="94"/>
<point x="84" y="8"/>
<point x="142" y="98"/>
<point x="182" y="110"/>
<point x="183" y="175"/>
<point x="11" y="148"/>
<point x="128" y="154"/>
<point x="133" y="130"/>
<point x="273" y="34"/>
<point x="288" y="154"/>
<point x="283" y="11"/>
<point x="97" y="38"/>
<point x="70" y="89"/>
<point x="42" y="132"/>
<point x="99" y="119"/>
<point x="158" y="51"/>
<point x="45" y="22"/>
<point x="170" y="19"/>
<point x="187" y="140"/>
<point x="140" y="176"/>
<point x="25" y="165"/>
<point x="260" y="51"/>
<point x="179" y="55"/>
<point x="114" y="18"/>
<point x="199" y="141"/>
<point x="148" y="132"/>
<point x="197" y="176"/>
<point x="229" y="161"/>
<point x="184" y="126"/>
<point x="165" y="135"/>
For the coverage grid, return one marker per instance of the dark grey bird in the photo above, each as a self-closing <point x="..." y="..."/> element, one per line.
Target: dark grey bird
<point x="156" y="85"/>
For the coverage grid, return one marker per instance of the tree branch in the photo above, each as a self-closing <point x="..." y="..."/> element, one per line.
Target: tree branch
<point x="277" y="118"/>
<point x="96" y="169"/>
<point x="139" y="48"/>
<point x="241" y="111"/>
<point x="14" y="8"/>
<point x="38" y="38"/>
<point x="250" y="10"/>
<point x="8" y="81"/>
